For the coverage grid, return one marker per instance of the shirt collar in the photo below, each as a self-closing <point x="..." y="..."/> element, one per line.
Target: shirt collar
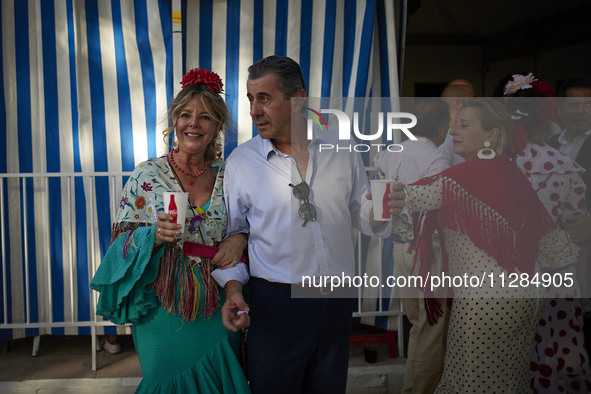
<point x="317" y="135"/>
<point x="563" y="141"/>
<point x="269" y="149"/>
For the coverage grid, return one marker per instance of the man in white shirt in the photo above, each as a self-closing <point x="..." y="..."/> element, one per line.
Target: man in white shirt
<point x="420" y="159"/>
<point x="456" y="96"/>
<point x="299" y="205"/>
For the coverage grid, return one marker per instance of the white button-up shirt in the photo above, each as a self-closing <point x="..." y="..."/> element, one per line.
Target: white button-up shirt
<point x="571" y="149"/>
<point x="418" y="159"/>
<point x="259" y="201"/>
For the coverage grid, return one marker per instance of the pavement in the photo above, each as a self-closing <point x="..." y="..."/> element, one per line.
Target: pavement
<point x="63" y="365"/>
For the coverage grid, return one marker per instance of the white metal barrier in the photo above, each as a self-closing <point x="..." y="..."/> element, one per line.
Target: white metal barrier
<point x="15" y="187"/>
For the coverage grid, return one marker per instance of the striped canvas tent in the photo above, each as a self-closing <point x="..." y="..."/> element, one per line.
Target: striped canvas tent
<point x="86" y="85"/>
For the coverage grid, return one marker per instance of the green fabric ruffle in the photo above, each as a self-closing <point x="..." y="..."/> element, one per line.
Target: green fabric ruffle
<point x="124" y="284"/>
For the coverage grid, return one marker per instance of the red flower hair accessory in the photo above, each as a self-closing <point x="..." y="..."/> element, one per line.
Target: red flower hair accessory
<point x="548" y="110"/>
<point x="519" y="139"/>
<point x="202" y="75"/>
<point x="543" y="87"/>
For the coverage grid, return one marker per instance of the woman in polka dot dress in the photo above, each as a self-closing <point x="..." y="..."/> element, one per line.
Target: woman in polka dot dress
<point x="559" y="361"/>
<point x="491" y="224"/>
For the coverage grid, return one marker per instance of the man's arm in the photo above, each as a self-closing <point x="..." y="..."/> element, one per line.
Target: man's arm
<point x="237" y="223"/>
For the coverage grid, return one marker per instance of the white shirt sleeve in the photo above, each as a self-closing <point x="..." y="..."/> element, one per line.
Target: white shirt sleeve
<point x="237" y="223"/>
<point x="239" y="272"/>
<point x="235" y="206"/>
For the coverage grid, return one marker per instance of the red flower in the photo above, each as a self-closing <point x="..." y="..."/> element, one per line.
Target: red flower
<point x="203" y="75"/>
<point x="140" y="202"/>
<point x="147" y="187"/>
<point x="519" y="140"/>
<point x="549" y="109"/>
<point x="543" y="88"/>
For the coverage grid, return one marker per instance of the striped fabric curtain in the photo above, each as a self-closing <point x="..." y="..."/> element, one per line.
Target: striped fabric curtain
<point x="86" y="86"/>
<point x="346" y="48"/>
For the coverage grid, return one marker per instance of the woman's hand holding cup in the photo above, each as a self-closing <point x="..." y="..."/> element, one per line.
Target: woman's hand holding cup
<point x="397" y="199"/>
<point x="165" y="230"/>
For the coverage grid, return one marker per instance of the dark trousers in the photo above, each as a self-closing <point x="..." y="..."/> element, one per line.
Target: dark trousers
<point x="298" y="345"/>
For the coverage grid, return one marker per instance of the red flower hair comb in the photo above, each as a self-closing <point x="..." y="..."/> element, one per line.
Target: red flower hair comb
<point x="202" y="75"/>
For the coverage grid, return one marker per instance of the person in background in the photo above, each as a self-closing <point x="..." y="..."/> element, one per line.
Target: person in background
<point x="420" y="159"/>
<point x="558" y="363"/>
<point x="159" y="278"/>
<point x="456" y="96"/>
<point x="574" y="98"/>
<point x="111" y="344"/>
<point x="491" y="222"/>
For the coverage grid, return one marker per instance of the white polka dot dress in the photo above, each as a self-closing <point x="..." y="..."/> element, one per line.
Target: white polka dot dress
<point x="491" y="331"/>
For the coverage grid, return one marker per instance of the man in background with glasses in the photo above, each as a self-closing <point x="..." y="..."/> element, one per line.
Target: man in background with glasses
<point x="299" y="206"/>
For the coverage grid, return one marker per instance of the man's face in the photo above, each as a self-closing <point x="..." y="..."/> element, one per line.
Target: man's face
<point x="575" y="111"/>
<point x="270" y="111"/>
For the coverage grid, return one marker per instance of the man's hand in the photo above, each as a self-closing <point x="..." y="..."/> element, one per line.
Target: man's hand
<point x="234" y="303"/>
<point x="231" y="250"/>
<point x="578" y="227"/>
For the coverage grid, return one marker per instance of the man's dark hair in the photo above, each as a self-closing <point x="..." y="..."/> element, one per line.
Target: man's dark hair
<point x="431" y="114"/>
<point x="289" y="73"/>
<point x="580" y="82"/>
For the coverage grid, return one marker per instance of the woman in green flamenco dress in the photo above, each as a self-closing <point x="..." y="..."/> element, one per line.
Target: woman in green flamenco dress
<point x="157" y="275"/>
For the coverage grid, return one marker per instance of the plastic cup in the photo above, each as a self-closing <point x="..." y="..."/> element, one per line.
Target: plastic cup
<point x="181" y="200"/>
<point x="380" y="190"/>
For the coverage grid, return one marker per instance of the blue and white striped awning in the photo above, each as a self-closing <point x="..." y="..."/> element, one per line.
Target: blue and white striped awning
<point x="86" y="85"/>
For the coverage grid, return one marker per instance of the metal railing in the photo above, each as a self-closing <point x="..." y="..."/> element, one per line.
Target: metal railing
<point x="40" y="183"/>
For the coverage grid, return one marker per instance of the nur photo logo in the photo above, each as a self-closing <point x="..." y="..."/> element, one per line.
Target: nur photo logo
<point x="389" y="121"/>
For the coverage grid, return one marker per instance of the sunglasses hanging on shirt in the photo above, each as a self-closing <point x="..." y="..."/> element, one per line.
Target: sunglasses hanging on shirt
<point x="307" y="211"/>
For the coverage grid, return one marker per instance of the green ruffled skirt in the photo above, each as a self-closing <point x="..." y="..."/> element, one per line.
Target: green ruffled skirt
<point x="175" y="356"/>
<point x="190" y="357"/>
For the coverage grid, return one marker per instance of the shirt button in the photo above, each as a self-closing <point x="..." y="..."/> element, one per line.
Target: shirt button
<point x="319" y="243"/>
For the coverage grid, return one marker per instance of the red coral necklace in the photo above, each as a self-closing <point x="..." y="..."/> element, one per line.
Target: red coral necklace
<point x="187" y="172"/>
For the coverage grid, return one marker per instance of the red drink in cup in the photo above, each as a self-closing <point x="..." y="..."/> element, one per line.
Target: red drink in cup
<point x="175" y="204"/>
<point x="172" y="209"/>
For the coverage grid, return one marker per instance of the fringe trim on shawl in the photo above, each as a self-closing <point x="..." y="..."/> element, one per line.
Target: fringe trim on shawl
<point x="177" y="286"/>
<point x="512" y="248"/>
<point x="126" y="227"/>
<point x="123" y="227"/>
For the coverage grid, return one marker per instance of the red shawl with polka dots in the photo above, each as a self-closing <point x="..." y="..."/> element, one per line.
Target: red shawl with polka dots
<point x="492" y="202"/>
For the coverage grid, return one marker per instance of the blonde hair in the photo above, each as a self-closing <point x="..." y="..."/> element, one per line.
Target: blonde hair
<point x="492" y="115"/>
<point x="220" y="114"/>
